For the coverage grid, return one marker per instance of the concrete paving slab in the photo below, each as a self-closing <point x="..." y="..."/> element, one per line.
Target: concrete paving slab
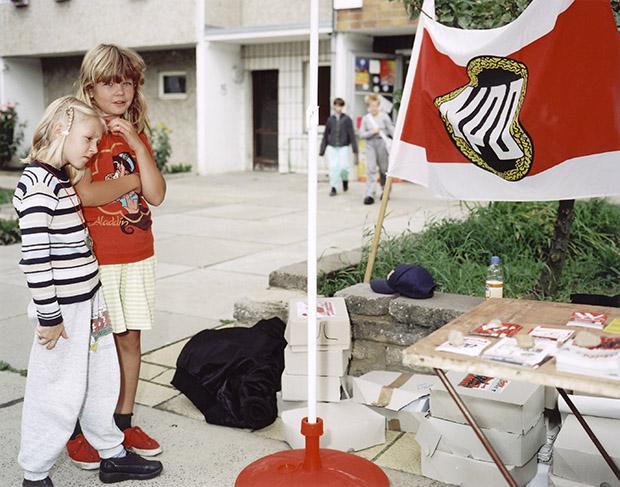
<point x="164" y="378"/>
<point x="12" y="389"/>
<point x="375" y="451"/>
<point x="150" y="371"/>
<point x="151" y="395"/>
<point x="165" y="269"/>
<point x="242" y="211"/>
<point x="182" y="406"/>
<point x="194" y="251"/>
<point x="171" y="327"/>
<point x="17" y="336"/>
<point x="403" y="454"/>
<point x="14" y="277"/>
<point x="13" y="300"/>
<point x="9" y="256"/>
<point x="205" y="292"/>
<point x="165" y="356"/>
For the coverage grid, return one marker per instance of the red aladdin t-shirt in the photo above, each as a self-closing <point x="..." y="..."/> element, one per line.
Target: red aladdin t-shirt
<point x="121" y="230"/>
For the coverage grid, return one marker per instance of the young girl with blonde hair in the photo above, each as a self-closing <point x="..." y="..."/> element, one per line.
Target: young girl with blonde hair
<point x="73" y="366"/>
<point x="119" y="221"/>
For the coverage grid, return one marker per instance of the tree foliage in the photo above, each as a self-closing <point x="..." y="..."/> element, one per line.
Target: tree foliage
<point x="480" y="14"/>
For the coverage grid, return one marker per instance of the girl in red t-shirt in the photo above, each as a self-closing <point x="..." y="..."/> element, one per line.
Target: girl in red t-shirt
<point x="119" y="184"/>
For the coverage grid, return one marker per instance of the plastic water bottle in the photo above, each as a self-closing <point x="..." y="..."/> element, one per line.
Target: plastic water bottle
<point x="495" y="279"/>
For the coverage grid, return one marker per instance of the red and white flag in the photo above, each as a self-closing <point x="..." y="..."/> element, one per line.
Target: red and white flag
<point x="527" y="111"/>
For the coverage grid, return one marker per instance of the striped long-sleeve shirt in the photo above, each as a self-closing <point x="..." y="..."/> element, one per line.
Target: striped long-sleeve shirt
<point x="59" y="267"/>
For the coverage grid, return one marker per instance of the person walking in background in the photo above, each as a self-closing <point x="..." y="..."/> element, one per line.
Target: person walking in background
<point x="337" y="138"/>
<point x="377" y="129"/>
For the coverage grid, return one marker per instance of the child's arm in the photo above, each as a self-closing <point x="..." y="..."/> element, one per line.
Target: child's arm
<point x="153" y="182"/>
<point x="103" y="192"/>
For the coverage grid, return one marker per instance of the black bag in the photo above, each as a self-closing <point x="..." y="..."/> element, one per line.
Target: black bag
<point x="232" y="375"/>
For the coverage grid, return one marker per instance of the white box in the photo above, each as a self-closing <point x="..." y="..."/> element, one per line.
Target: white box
<point x="576" y="458"/>
<point x="467" y="472"/>
<point x="295" y="388"/>
<point x="346" y="426"/>
<point x="511" y="406"/>
<point x="391" y="390"/>
<point x="408" y="419"/>
<point x="333" y="325"/>
<point x="328" y="362"/>
<point x="460" y="439"/>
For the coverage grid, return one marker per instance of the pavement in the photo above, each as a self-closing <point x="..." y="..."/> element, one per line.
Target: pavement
<point x="217" y="239"/>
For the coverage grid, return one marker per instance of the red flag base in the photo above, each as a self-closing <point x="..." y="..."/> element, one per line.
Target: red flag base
<point x="312" y="467"/>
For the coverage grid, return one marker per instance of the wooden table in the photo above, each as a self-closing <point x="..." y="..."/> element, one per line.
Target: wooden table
<point x="528" y="314"/>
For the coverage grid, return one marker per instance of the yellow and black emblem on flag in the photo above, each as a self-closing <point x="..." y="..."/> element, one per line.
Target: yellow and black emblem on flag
<point x="482" y="117"/>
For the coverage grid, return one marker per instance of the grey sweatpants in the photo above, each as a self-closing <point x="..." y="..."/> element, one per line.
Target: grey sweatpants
<point x="79" y="378"/>
<point x="377" y="159"/>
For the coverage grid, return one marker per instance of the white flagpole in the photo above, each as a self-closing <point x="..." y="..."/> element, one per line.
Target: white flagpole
<point x="312" y="116"/>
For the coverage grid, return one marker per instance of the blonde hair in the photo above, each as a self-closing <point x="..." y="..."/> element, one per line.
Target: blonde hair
<point x="108" y="62"/>
<point x="46" y="145"/>
<point x="373" y="98"/>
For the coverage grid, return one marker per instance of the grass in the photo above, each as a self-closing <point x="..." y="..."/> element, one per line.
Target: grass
<point x="6" y="195"/>
<point x="7" y="367"/>
<point x="457" y="252"/>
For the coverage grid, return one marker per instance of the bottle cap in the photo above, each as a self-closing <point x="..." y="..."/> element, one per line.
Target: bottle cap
<point x="495" y="260"/>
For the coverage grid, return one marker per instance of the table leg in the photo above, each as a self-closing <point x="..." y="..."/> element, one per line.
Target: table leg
<point x="591" y="434"/>
<point x="472" y="422"/>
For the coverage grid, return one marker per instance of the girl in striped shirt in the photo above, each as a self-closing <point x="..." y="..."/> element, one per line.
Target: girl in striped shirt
<point x="73" y="368"/>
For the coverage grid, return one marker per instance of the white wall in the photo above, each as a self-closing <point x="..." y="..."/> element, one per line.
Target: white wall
<point x="21" y="81"/>
<point x="223" y="138"/>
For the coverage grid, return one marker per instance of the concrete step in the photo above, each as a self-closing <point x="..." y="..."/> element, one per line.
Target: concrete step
<point x="294" y="276"/>
<point x="264" y="305"/>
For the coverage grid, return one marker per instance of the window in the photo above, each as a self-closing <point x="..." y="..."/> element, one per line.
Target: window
<point x="172" y="85"/>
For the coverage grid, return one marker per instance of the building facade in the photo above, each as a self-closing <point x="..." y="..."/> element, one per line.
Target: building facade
<point x="228" y="77"/>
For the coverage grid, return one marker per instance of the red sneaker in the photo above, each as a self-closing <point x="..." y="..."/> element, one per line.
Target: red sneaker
<point x="139" y="442"/>
<point x="82" y="453"/>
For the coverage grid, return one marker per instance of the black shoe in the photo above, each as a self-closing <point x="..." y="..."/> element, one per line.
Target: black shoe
<point x="129" y="467"/>
<point x="369" y="200"/>
<point x="333" y="192"/>
<point x="46" y="482"/>
<point x="345" y="186"/>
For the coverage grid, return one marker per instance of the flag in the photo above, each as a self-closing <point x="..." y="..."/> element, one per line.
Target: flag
<point x="527" y="111"/>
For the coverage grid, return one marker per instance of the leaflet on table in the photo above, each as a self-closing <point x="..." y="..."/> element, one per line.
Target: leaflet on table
<point x="497" y="329"/>
<point x="507" y="350"/>
<point x="613" y="327"/>
<point x="558" y="334"/>
<point x="471" y="346"/>
<point x="601" y="361"/>
<point x="588" y="319"/>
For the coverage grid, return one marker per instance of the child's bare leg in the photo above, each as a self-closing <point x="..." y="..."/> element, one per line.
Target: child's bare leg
<point x="128" y="349"/>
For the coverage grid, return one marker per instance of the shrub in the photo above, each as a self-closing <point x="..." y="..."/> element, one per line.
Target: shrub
<point x="160" y="144"/>
<point x="9" y="232"/>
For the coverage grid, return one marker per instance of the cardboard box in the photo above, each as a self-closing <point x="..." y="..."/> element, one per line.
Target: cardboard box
<point x="511" y="406"/>
<point x="555" y="481"/>
<point x="391" y="390"/>
<point x="328" y="362"/>
<point x="333" y="325"/>
<point x="467" y="472"/>
<point x="347" y="426"/>
<point x="576" y="458"/>
<point x="460" y="439"/>
<point x="408" y="419"/>
<point x="295" y="388"/>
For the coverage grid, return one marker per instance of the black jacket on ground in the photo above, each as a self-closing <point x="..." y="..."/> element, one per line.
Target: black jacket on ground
<point x="232" y="375"/>
<point x="338" y="133"/>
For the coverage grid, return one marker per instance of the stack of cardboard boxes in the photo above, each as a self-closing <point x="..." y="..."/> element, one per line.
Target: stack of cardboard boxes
<point x="333" y="350"/>
<point x="511" y="416"/>
<point x="576" y="461"/>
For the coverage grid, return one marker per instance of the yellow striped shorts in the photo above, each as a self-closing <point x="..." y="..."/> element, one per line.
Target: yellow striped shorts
<point x="129" y="291"/>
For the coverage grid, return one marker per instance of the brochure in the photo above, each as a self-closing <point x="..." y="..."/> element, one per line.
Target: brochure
<point x="483" y="383"/>
<point x="507" y="350"/>
<point x="497" y="329"/>
<point x="613" y="327"/>
<point x="558" y="334"/>
<point x="588" y="319"/>
<point x="471" y="346"/>
<point x="599" y="361"/>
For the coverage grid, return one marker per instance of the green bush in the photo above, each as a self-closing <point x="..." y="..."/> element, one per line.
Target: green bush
<point x="457" y="252"/>
<point x="6" y="196"/>
<point x="9" y="232"/>
<point x="160" y="144"/>
<point x="175" y="168"/>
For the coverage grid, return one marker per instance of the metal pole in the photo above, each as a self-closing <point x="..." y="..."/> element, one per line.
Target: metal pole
<point x="312" y="114"/>
<point x="378" y="227"/>
<point x="472" y="422"/>
<point x="590" y="433"/>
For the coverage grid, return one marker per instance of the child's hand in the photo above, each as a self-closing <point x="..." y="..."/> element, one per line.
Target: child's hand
<point x="120" y="126"/>
<point x="49" y="335"/>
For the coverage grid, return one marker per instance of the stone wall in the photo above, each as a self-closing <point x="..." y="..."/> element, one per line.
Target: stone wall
<point x="374" y="14"/>
<point x="384" y="325"/>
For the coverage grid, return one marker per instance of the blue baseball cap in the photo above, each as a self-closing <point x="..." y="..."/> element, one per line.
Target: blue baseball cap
<point x="412" y="281"/>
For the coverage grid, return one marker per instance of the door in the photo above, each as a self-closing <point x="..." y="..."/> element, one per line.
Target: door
<point x="265" y="119"/>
